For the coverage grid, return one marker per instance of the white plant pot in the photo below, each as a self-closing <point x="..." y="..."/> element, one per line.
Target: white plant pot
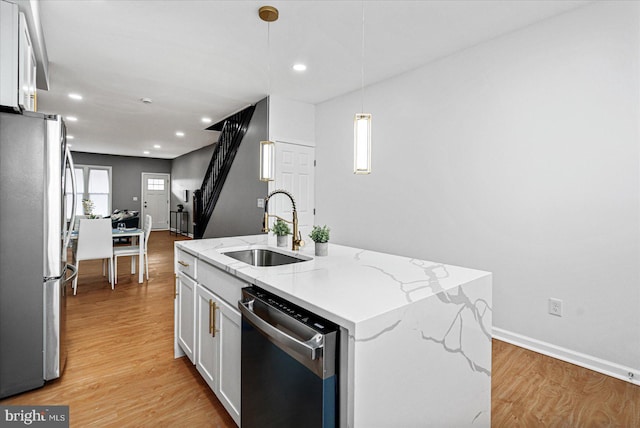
<point x="322" y="248"/>
<point x="283" y="240"/>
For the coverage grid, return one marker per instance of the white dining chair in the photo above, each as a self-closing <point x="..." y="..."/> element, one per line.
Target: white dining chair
<point x="75" y="226"/>
<point x="134" y="250"/>
<point x="95" y="241"/>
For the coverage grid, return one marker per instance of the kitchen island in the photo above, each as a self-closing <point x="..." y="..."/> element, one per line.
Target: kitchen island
<point x="415" y="335"/>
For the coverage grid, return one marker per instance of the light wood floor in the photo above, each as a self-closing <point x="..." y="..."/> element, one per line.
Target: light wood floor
<point x="121" y="371"/>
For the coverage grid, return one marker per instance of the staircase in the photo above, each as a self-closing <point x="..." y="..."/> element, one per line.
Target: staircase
<point x="232" y="130"/>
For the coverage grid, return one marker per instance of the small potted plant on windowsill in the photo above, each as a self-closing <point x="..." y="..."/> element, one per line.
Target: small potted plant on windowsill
<point x="320" y="235"/>
<point x="281" y="230"/>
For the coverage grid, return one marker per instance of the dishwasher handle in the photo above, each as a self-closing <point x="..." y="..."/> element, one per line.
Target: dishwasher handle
<point x="311" y="349"/>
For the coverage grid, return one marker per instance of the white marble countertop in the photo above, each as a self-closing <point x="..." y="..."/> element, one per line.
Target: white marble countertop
<point x="348" y="286"/>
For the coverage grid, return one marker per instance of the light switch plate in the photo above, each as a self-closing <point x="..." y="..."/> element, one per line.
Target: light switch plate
<point x="135" y="198"/>
<point x="260" y="203"/>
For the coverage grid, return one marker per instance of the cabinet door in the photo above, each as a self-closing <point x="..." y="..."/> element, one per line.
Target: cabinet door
<point x="9" y="56"/>
<point x="207" y="331"/>
<point x="26" y="68"/>
<point x="230" y="322"/>
<point x="186" y="314"/>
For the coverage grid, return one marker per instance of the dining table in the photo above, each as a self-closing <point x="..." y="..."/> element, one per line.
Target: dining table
<point x="137" y="235"/>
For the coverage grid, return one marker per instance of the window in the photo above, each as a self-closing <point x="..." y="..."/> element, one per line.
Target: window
<point x="99" y="185"/>
<point x="155" y="184"/>
<point x="93" y="182"/>
<point x="79" y="172"/>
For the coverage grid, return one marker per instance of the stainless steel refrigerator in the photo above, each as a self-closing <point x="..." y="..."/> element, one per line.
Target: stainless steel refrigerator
<point x="34" y="235"/>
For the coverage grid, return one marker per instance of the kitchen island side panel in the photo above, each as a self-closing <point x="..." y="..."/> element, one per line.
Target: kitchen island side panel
<point x="427" y="364"/>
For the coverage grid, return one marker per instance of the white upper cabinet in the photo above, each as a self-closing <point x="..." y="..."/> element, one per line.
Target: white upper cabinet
<point x="9" y="34"/>
<point x="17" y="60"/>
<point x="26" y="68"/>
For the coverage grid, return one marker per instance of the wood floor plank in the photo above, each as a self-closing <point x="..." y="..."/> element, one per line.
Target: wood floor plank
<point x="121" y="371"/>
<point x="533" y="390"/>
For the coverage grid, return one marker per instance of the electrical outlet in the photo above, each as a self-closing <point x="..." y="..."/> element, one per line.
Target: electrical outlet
<point x="555" y="307"/>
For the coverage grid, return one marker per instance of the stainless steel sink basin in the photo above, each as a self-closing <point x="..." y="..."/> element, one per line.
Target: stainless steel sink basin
<point x="263" y="257"/>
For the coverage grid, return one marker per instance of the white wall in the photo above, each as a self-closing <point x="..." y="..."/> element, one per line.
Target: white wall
<point x="291" y="121"/>
<point x="519" y="156"/>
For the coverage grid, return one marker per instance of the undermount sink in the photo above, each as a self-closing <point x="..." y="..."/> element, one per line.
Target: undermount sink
<point x="263" y="257"/>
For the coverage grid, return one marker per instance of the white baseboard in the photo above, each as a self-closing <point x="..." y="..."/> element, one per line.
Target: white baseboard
<point x="174" y="230"/>
<point x="583" y="360"/>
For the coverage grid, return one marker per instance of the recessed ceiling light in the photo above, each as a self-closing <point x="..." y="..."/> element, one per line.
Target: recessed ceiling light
<point x="146" y="152"/>
<point x="180" y="134"/>
<point x="70" y="137"/>
<point x="146" y="100"/>
<point x="206" y="120"/>
<point x="299" y="67"/>
<point x="157" y="146"/>
<point x="75" y="96"/>
<point x="69" y="145"/>
<point x="72" y="118"/>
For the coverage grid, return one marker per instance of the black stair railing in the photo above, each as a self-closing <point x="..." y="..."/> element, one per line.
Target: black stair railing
<point x="205" y="199"/>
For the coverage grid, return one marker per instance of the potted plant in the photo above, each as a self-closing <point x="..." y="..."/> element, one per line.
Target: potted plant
<point x="281" y="230"/>
<point x="320" y="235"/>
<point x="87" y="208"/>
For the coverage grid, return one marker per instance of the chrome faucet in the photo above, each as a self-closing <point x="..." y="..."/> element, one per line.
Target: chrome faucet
<point x="297" y="241"/>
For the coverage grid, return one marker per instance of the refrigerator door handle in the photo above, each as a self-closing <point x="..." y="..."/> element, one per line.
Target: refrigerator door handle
<point x="69" y="161"/>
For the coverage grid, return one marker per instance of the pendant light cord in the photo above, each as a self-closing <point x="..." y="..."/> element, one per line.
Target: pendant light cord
<point x="268" y="58"/>
<point x="362" y="65"/>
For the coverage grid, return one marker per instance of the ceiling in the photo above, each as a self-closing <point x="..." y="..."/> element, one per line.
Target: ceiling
<point x="198" y="59"/>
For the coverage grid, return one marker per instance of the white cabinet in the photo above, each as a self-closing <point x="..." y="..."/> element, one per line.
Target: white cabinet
<point x="218" y="348"/>
<point x="185" y="263"/>
<point x="9" y="35"/>
<point x="206" y="330"/>
<point x="26" y="68"/>
<point x="185" y="314"/>
<point x="218" y="335"/>
<point x="208" y="326"/>
<point x="17" y="60"/>
<point x="230" y="322"/>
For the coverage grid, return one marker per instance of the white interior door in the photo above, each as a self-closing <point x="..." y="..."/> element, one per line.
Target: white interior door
<point x="155" y="199"/>
<point x="295" y="172"/>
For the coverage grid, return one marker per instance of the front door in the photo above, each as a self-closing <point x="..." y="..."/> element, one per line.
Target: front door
<point x="295" y="173"/>
<point x="155" y="199"/>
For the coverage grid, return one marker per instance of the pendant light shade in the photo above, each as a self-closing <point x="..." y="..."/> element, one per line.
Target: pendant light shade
<point x="267" y="161"/>
<point x="362" y="144"/>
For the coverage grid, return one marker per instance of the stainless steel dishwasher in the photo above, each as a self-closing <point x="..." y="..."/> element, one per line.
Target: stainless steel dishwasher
<point x="288" y="364"/>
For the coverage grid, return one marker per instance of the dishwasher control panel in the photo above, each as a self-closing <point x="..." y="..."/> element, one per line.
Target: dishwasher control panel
<point x="309" y="319"/>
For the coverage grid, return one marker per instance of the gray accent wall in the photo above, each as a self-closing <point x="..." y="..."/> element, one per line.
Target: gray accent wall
<point x="236" y="213"/>
<point x="126" y="175"/>
<point x="187" y="173"/>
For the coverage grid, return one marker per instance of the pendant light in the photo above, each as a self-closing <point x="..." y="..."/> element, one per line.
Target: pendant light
<point x="268" y="14"/>
<point x="362" y="125"/>
<point x="267" y="161"/>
